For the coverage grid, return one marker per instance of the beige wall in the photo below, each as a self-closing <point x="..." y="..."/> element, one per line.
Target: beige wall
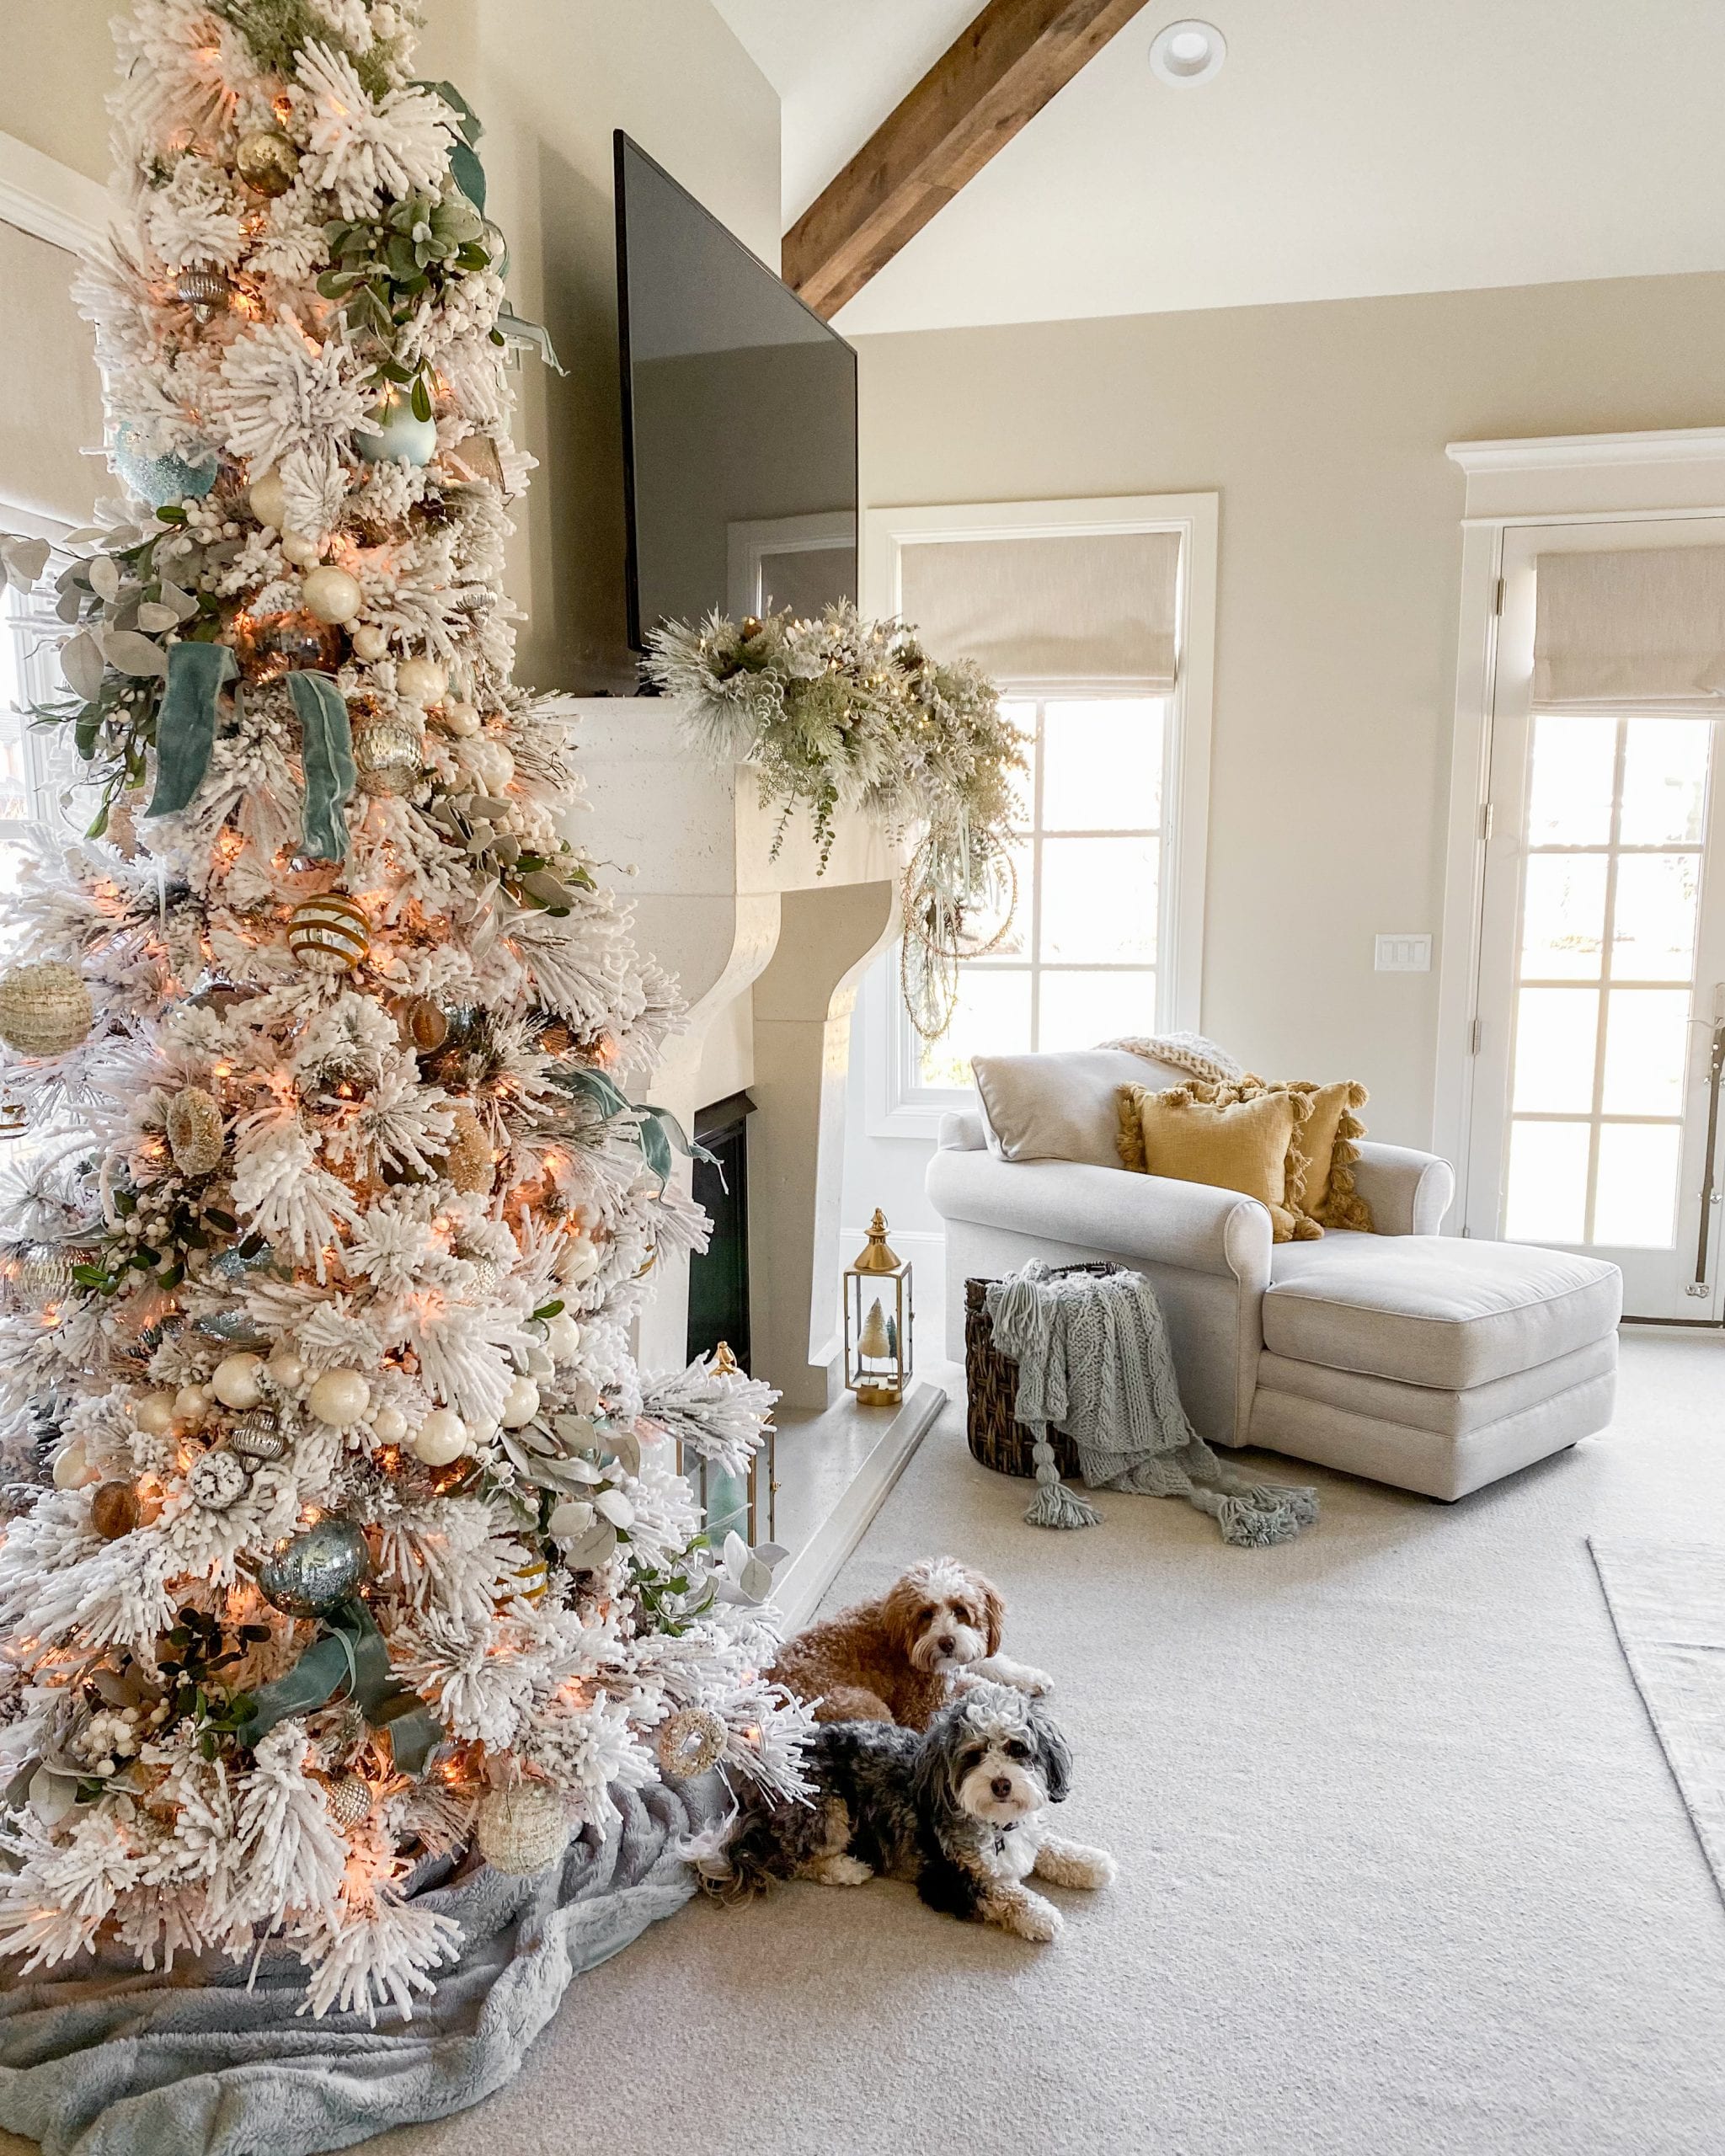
<point x="1323" y="427"/>
<point x="550" y="79"/>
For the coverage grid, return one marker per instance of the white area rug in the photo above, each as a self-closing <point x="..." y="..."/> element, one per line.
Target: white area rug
<point x="1668" y="1603"/>
<point x="1403" y="1871"/>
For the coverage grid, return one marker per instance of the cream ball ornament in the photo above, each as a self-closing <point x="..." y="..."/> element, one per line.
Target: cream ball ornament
<point x="389" y="1426"/>
<point x="579" y="1262"/>
<point x="268" y="498"/>
<point x="421" y="681"/>
<point x="441" y="1437"/>
<point x="332" y="593"/>
<point x="191" y="1404"/>
<point x="154" y="1414"/>
<point x="286" y="1369"/>
<point x="239" y="1380"/>
<point x="71" y="1469"/>
<point x="340" y="1398"/>
<point x="461" y="718"/>
<point x="562" y="1336"/>
<point x="300" y="549"/>
<point x="520" y="1404"/>
<point x="370" y="643"/>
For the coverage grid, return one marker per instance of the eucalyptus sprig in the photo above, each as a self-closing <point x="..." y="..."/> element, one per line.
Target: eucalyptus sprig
<point x="380" y="271"/>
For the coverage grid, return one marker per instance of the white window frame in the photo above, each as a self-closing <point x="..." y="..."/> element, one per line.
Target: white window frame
<point x="1623" y="478"/>
<point x="897" y="1105"/>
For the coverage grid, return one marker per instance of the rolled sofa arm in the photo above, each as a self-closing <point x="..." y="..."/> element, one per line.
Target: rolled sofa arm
<point x="1408" y="1193"/>
<point x="961" y="1132"/>
<point x="1151" y="1218"/>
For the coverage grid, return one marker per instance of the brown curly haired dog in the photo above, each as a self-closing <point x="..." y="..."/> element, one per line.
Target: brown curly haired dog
<point x="901" y="1657"/>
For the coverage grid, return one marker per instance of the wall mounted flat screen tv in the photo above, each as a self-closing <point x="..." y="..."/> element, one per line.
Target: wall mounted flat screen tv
<point x="739" y="419"/>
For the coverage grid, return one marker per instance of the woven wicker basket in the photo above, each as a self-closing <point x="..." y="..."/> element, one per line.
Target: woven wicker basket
<point x="991" y="1425"/>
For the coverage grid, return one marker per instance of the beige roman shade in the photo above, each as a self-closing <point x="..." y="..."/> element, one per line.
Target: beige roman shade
<point x="52" y="408"/>
<point x="1070" y="606"/>
<point x="1638" y="629"/>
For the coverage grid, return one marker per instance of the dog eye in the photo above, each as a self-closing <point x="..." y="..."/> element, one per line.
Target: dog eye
<point x="1014" y="1750"/>
<point x="961" y="1614"/>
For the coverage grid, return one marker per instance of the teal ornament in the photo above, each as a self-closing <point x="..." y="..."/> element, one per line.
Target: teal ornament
<point x="315" y="1572"/>
<point x="396" y="436"/>
<point x="158" y="480"/>
<point x="326" y="746"/>
<point x="185" y="725"/>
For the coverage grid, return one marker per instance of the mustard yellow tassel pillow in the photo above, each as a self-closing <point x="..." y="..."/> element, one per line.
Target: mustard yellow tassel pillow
<point x="1321" y="1170"/>
<point x="1225" y="1137"/>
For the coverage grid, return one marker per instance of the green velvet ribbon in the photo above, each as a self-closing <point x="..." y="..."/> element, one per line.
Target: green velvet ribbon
<point x="352" y="1658"/>
<point x="186" y="724"/>
<point x="657" y="1131"/>
<point x="326" y="746"/>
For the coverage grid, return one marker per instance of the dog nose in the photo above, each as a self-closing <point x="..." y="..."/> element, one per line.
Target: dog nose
<point x="946" y="1643"/>
<point x="1001" y="1787"/>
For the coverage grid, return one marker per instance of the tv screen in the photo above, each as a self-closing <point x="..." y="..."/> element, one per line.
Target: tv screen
<point x="739" y="419"/>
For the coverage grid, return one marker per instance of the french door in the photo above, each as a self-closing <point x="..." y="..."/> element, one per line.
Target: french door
<point x="1600" y="1039"/>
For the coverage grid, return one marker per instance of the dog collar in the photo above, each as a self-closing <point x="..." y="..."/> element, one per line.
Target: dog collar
<point x="1000" y="1834"/>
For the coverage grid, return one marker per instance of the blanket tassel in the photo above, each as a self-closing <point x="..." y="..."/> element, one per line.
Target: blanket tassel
<point x="1053" y="1504"/>
<point x="1253" y="1515"/>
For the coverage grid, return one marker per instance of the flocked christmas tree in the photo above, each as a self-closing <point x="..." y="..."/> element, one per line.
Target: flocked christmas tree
<point x="335" y="1541"/>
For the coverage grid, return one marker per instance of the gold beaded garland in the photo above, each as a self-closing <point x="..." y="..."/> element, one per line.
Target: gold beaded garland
<point x="193" y="1122"/>
<point x="45" y="1010"/>
<point x="330" y="934"/>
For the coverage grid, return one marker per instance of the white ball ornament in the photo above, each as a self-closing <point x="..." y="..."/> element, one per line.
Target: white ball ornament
<point x="340" y="1398"/>
<point x="154" y="1414"/>
<point x="237" y="1381"/>
<point x="421" y="681"/>
<point x="370" y="643"/>
<point x="332" y="593"/>
<point x="562" y="1336"/>
<point x="520" y="1404"/>
<point x="302" y="550"/>
<point x="580" y="1260"/>
<point x="389" y="1426"/>
<point x="461" y="718"/>
<point x="72" y="1470"/>
<point x="191" y="1404"/>
<point x="269" y="499"/>
<point x="441" y="1437"/>
<point x="286" y="1369"/>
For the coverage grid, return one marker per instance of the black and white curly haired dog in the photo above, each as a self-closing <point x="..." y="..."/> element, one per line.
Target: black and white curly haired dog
<point x="956" y="1809"/>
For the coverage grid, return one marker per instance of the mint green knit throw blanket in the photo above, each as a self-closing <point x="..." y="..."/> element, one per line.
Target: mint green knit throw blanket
<point x="1094" y="1362"/>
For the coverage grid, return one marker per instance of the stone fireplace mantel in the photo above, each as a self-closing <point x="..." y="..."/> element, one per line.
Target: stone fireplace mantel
<point x="768" y="950"/>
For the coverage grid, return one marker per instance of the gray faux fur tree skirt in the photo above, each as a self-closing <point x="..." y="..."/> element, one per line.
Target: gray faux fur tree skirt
<point x="107" y="2061"/>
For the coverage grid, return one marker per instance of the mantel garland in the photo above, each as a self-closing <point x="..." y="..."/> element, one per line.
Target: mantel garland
<point x="841" y="714"/>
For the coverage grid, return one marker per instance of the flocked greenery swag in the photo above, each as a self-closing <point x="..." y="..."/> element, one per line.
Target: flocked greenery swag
<point x="842" y="714"/>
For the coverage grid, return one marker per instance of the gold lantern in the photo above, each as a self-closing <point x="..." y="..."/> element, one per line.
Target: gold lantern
<point x="879" y="1319"/>
<point x="747" y="1503"/>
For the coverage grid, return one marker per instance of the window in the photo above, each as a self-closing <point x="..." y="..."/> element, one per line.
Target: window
<point x="1078" y="963"/>
<point x="1097" y="618"/>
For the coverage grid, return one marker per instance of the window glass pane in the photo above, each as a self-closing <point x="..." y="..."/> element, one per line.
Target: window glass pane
<point x="1103" y="765"/>
<point x="1548" y="1200"/>
<point x="1652" y="925"/>
<point x="1563" y="916"/>
<point x="1099" y="901"/>
<point x="993" y="1018"/>
<point x="1015" y="944"/>
<point x="1647" y="1044"/>
<point x="1636" y="1203"/>
<point x="1665" y="781"/>
<point x="1555" y="1039"/>
<point x="1569" y="796"/>
<point x="1079" y="1010"/>
<point x="1023" y="718"/>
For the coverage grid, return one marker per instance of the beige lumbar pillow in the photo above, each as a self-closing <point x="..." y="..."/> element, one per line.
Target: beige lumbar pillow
<point x="1060" y="1108"/>
<point x="1210" y="1135"/>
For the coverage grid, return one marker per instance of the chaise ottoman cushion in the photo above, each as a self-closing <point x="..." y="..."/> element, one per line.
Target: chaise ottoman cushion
<point x="1450" y="1313"/>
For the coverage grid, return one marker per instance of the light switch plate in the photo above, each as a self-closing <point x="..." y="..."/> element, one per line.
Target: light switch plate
<point x="1404" y="954"/>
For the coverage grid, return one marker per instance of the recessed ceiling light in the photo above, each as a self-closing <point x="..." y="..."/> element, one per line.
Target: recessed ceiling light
<point x="1185" y="53"/>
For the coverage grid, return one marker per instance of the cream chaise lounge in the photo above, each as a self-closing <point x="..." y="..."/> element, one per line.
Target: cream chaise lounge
<point x="1434" y="1362"/>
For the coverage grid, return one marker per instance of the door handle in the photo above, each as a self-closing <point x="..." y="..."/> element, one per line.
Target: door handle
<point x="1710" y="1194"/>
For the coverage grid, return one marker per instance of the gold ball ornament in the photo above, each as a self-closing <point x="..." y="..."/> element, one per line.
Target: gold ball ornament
<point x="266" y="161"/>
<point x="113" y="1510"/>
<point x="389" y="756"/>
<point x="522" y="1830"/>
<point x="348" y="1800"/>
<point x="332" y="593"/>
<point x="329" y="935"/>
<point x="467" y="1163"/>
<point x="45" y="1010"/>
<point x="192" y="1404"/>
<point x="196" y="1136"/>
<point x="42" y="1279"/>
<point x="691" y="1741"/>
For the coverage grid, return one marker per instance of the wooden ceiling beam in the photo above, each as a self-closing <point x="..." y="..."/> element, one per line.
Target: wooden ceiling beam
<point x="990" y="82"/>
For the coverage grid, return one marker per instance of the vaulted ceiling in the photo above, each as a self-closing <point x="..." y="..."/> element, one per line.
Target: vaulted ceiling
<point x="1347" y="147"/>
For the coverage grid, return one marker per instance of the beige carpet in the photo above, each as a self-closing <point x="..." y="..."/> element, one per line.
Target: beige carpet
<point x="1403" y="1867"/>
